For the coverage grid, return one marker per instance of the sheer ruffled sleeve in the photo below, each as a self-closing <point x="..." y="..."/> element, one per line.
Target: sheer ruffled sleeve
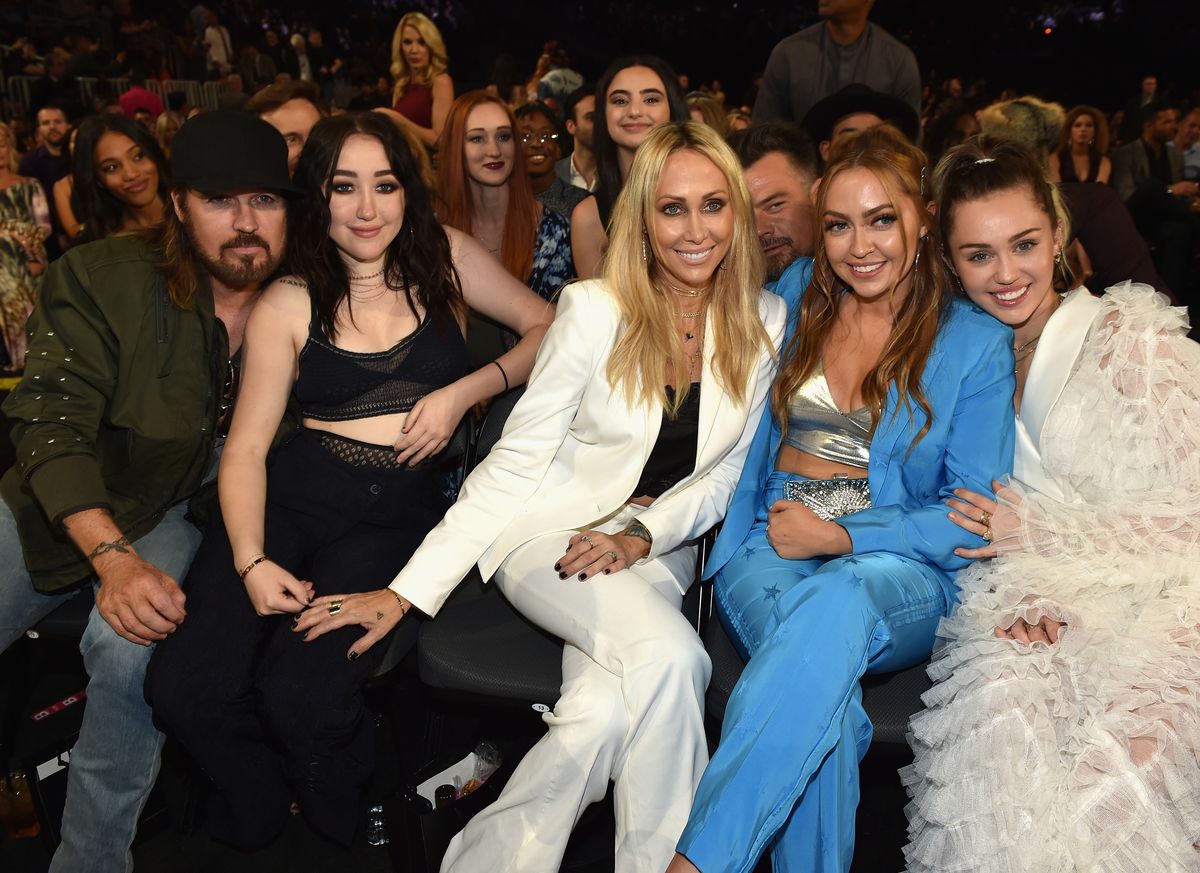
<point x="1125" y="440"/>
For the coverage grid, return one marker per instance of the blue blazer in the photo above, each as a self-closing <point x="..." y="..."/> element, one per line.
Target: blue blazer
<point x="969" y="383"/>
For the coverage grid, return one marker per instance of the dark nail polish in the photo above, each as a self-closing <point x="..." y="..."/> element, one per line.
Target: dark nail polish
<point x="582" y="576"/>
<point x="352" y="655"/>
<point x="606" y="572"/>
<point x="558" y="567"/>
<point x="311" y="596"/>
<point x="562" y="575"/>
<point x="305" y="637"/>
<point x="295" y="620"/>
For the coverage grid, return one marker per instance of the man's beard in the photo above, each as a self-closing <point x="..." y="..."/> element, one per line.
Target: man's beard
<point x="237" y="271"/>
<point x="781" y="260"/>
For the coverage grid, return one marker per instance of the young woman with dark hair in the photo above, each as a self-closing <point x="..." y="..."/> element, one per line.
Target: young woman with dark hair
<point x="634" y="95"/>
<point x="367" y="334"/>
<point x="121" y="177"/>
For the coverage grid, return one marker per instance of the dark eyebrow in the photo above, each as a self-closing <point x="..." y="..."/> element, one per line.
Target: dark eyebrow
<point x="1011" y="239"/>
<point x="353" y="174"/>
<point x="880" y="208"/>
<point x="651" y="91"/>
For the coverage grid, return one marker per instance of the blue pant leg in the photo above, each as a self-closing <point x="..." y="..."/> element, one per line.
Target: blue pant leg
<point x="794" y="705"/>
<point x="21" y="605"/>
<point x="749" y="588"/>
<point x="115" y="761"/>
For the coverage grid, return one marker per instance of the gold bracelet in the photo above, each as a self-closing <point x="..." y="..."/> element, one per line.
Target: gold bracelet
<point x="242" y="572"/>
<point x="405" y="605"/>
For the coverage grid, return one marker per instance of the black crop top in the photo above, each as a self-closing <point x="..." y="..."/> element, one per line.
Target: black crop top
<point x="674" y="454"/>
<point x="337" y="385"/>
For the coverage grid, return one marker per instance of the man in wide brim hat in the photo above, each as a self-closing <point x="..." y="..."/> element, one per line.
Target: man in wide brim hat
<point x="857" y="107"/>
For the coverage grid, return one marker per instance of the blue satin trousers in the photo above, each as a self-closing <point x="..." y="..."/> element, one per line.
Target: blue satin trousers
<point x="785" y="775"/>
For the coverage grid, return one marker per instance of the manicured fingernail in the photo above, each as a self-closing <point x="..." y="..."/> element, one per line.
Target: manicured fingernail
<point x="562" y="575"/>
<point x="606" y="571"/>
<point x="582" y="576"/>
<point x="311" y="597"/>
<point x="305" y="637"/>
<point x="295" y="620"/>
<point x="352" y="655"/>
<point x="558" y="567"/>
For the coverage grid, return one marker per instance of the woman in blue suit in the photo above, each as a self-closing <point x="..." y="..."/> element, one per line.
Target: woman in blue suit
<point x="836" y="554"/>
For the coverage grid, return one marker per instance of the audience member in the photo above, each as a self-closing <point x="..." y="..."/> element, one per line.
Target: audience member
<point x="1081" y="600"/>
<point x="484" y="191"/>
<point x="48" y="163"/>
<point x="24" y="228"/>
<point x="953" y="125"/>
<point x="707" y="110"/>
<point x="1082" y="153"/>
<point x="540" y="137"/>
<point x="424" y="90"/>
<point x="22" y="59"/>
<point x="303" y="67"/>
<point x="1148" y="175"/>
<point x="273" y="717"/>
<point x="165" y="128"/>
<point x="842" y="49"/>
<point x="66" y="200"/>
<point x="781" y="166"/>
<point x="1187" y="142"/>
<point x="135" y="334"/>
<point x="139" y="97"/>
<point x="836" y="557"/>
<point x="559" y="81"/>
<point x="588" y="508"/>
<point x="121" y="177"/>
<point x="637" y="93"/>
<point x="55" y="87"/>
<point x="292" y="107"/>
<point x="1131" y="124"/>
<point x="218" y="46"/>
<point x="854" y="108"/>
<point x="579" y="167"/>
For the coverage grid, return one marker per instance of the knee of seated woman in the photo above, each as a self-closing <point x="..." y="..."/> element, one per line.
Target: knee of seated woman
<point x="593" y="710"/>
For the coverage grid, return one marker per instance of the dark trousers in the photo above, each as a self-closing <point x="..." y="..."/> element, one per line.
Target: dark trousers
<point x="268" y="717"/>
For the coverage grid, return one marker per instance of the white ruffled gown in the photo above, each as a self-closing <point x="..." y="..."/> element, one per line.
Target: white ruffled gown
<point x="1082" y="755"/>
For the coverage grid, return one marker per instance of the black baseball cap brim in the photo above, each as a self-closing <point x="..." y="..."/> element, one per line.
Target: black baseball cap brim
<point x="827" y="112"/>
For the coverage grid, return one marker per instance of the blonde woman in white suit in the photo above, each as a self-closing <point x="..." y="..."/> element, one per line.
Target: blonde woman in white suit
<point x="623" y="451"/>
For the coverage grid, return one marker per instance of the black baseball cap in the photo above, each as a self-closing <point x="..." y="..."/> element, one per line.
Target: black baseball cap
<point x="222" y="151"/>
<point x="827" y="112"/>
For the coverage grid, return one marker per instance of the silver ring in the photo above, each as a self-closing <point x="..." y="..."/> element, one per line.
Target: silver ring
<point x="586" y="539"/>
<point x="612" y="555"/>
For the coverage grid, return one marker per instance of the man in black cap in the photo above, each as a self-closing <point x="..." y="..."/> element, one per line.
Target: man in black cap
<point x="119" y="419"/>
<point x="857" y="107"/>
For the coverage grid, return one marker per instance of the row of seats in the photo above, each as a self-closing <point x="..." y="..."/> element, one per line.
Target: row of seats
<point x="19" y="90"/>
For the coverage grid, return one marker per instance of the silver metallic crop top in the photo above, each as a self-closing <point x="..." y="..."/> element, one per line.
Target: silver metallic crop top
<point x="818" y="427"/>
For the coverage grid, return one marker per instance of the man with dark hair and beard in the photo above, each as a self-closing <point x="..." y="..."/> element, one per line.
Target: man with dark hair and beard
<point x="119" y="420"/>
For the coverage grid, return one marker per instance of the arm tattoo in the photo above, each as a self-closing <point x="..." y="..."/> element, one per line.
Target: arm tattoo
<point x="379" y="616"/>
<point x="122" y="545"/>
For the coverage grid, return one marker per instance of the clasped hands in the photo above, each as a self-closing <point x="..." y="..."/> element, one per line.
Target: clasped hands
<point x="797" y="533"/>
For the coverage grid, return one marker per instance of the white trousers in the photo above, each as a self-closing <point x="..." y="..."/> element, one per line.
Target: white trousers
<point x="631" y="711"/>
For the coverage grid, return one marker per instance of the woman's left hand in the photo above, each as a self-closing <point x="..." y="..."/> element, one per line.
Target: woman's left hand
<point x="429" y="426"/>
<point x="796" y="532"/>
<point x="377" y="611"/>
<point x="592" y="553"/>
<point x="984" y="517"/>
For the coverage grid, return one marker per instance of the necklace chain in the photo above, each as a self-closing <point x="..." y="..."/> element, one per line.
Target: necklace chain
<point x="366" y="277"/>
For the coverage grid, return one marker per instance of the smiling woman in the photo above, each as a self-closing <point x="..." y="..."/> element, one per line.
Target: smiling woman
<point x="121" y="177"/>
<point x="485" y="191"/>
<point x="366" y="333"/>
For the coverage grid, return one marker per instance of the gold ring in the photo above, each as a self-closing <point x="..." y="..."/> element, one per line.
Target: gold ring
<point x="987" y="534"/>
<point x="985" y="518"/>
<point x="335" y="607"/>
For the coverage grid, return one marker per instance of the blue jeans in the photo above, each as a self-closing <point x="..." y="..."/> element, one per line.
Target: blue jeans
<point x="115" y="760"/>
<point x="785" y="775"/>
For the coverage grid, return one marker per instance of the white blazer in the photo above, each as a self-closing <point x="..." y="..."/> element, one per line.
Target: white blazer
<point x="573" y="450"/>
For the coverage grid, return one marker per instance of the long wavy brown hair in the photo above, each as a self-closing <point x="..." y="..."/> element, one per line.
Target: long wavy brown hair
<point x="900" y="168"/>
<point x="454" y="186"/>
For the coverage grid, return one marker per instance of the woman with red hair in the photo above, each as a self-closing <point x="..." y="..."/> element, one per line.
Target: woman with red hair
<point x="485" y="192"/>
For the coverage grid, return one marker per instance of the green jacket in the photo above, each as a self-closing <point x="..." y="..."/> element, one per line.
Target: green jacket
<point x="118" y="407"/>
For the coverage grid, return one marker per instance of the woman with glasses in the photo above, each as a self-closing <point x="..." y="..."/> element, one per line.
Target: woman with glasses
<point x="485" y="192"/>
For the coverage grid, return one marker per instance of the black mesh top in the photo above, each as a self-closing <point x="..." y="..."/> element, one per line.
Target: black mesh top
<point x="336" y="385"/>
<point x="674" y="454"/>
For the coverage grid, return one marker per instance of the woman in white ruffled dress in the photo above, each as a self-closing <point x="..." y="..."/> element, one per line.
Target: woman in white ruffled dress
<point x="1062" y="730"/>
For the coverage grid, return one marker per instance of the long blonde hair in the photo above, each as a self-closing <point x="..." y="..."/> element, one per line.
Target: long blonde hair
<point x="901" y="169"/>
<point x="429" y="32"/>
<point x="650" y="342"/>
